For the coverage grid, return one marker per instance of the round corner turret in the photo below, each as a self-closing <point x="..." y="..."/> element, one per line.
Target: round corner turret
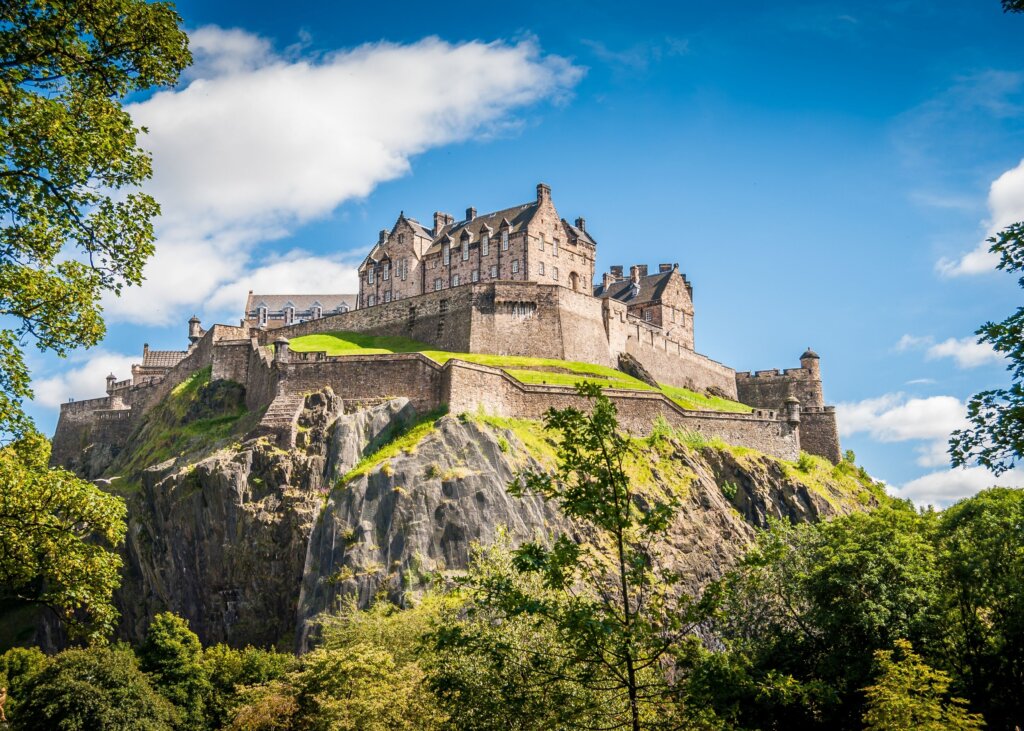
<point x="281" y="348"/>
<point x="792" y="409"/>
<point x="195" y="330"/>
<point x="811" y="361"/>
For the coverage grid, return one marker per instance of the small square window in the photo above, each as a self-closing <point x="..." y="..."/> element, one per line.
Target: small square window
<point x="515" y="266"/>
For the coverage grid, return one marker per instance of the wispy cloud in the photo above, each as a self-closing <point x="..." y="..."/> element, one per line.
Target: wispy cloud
<point x="257" y="142"/>
<point x="638" y="57"/>
<point x="967" y="352"/>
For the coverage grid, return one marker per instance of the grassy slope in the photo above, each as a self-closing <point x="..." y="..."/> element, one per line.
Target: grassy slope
<point x="522" y="368"/>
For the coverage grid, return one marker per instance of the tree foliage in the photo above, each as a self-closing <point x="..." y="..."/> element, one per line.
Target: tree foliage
<point x="172" y="656"/>
<point x="57" y="535"/>
<point x="93" y="688"/>
<point x="910" y="695"/>
<point x="68" y="147"/>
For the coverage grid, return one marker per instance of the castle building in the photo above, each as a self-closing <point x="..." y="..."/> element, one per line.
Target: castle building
<point x="269" y="311"/>
<point x="664" y="300"/>
<point x="525" y="243"/>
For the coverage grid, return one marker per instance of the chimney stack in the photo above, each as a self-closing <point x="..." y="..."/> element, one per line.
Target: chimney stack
<point x="382" y="236"/>
<point x="634" y="274"/>
<point x="581" y="224"/>
<point x="470" y="214"/>
<point x="543" y="192"/>
<point x="607" y="280"/>
<point x="664" y="268"/>
<point x="616" y="271"/>
<point x="440" y="220"/>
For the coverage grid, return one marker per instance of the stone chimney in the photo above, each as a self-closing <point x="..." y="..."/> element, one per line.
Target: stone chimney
<point x="643" y="269"/>
<point x="470" y="213"/>
<point x="607" y="280"/>
<point x="382" y="236"/>
<point x="543" y="193"/>
<point x="145" y="349"/>
<point x="440" y="221"/>
<point x="634" y="274"/>
<point x="616" y="271"/>
<point x="662" y="268"/>
<point x="581" y="224"/>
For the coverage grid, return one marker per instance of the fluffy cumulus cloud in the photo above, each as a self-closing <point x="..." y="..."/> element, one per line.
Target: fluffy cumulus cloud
<point x="83" y="378"/>
<point x="945" y="487"/>
<point x="967" y="352"/>
<point x="256" y="142"/>
<point x="1006" y="206"/>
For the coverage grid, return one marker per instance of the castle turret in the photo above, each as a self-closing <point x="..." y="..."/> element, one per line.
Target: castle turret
<point x="792" y="410"/>
<point x="195" y="332"/>
<point x="111" y="380"/>
<point x="281" y="349"/>
<point x="811" y="362"/>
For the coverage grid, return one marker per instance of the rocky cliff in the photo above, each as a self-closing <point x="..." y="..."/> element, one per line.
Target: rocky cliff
<point x="250" y="539"/>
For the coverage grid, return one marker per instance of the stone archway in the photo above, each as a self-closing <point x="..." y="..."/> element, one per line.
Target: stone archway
<point x="574" y="281"/>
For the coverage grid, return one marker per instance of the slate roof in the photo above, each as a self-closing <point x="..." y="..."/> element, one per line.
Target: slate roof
<point x="647" y="289"/>
<point x="579" y="233"/>
<point x="517" y="217"/>
<point x="162" y="358"/>
<point x="301" y="302"/>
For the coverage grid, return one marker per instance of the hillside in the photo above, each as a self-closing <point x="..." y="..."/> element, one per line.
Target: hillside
<point x="250" y="541"/>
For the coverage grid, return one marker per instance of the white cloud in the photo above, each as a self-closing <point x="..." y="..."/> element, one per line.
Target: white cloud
<point x="967" y="352"/>
<point x="1006" y="206"/>
<point x="258" y="143"/>
<point x="83" y="381"/>
<point x="895" y="418"/>
<point x="945" y="487"/>
<point x="295" y="273"/>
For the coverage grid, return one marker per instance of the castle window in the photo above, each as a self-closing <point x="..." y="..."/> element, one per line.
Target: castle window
<point x="554" y="273"/>
<point x="387" y="271"/>
<point x="262" y="313"/>
<point x="485" y="245"/>
<point x="289" y="315"/>
<point x="540" y="269"/>
<point x="504" y="240"/>
<point x="648" y="314"/>
<point x="342" y="307"/>
<point x="540" y="241"/>
<point x="437" y="284"/>
<point x="387" y="296"/>
<point x="515" y="266"/>
<point x="401" y="238"/>
<point x="371" y="301"/>
<point x="465" y="249"/>
<point x="455" y="280"/>
<point x="475" y="276"/>
<point x="494" y="271"/>
<point x="445" y="255"/>
<point x="316" y="312"/>
<point x="554" y="247"/>
<point x="369" y="275"/>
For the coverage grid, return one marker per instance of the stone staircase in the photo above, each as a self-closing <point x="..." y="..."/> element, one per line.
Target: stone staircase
<point x="280" y="417"/>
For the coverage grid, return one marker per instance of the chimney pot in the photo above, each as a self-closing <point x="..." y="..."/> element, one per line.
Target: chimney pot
<point x="581" y="224"/>
<point x="470" y="214"/>
<point x="616" y="271"/>
<point x="664" y="268"/>
<point x="634" y="274"/>
<point x="642" y="268"/>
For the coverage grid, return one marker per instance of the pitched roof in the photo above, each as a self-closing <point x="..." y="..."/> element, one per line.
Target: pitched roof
<point x="647" y="289"/>
<point x="301" y="302"/>
<point x="579" y="233"/>
<point x="162" y="358"/>
<point x="517" y="217"/>
<point x="422" y="230"/>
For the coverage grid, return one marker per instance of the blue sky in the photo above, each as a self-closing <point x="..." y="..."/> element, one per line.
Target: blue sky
<point x="819" y="171"/>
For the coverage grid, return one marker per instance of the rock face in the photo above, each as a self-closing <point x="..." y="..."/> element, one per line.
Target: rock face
<point x="630" y="365"/>
<point x="250" y="542"/>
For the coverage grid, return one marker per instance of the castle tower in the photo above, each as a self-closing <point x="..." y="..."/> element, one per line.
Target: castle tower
<point x="811" y="362"/>
<point x="195" y="332"/>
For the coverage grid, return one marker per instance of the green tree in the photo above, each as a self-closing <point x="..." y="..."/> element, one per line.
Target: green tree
<point x="57" y="533"/>
<point x="17" y="667"/>
<point x="616" y="610"/>
<point x="982" y="559"/>
<point x="67" y="147"/>
<point x="807" y="607"/>
<point x="910" y="695"/>
<point x="230" y="670"/>
<point x="172" y="656"/>
<point x="93" y="688"/>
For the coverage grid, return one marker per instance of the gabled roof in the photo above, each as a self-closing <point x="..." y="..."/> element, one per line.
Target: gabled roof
<point x="579" y="233"/>
<point x="162" y="358"/>
<point x="647" y="289"/>
<point x="517" y="216"/>
<point x="418" y="227"/>
<point x="328" y="303"/>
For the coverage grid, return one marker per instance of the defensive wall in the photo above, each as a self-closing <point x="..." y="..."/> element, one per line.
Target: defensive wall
<point x="529" y="318"/>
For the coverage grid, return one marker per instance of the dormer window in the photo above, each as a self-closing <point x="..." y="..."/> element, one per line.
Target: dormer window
<point x="342" y="307"/>
<point x="465" y="249"/>
<point x="370" y="275"/>
<point x="261" y="313"/>
<point x="504" y="240"/>
<point x="289" y="314"/>
<point x="316" y="312"/>
<point x="445" y="254"/>
<point x="485" y="244"/>
<point x="387" y="271"/>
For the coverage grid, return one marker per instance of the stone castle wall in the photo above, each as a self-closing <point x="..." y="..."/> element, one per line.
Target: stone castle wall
<point x="770" y="389"/>
<point x="819" y="432"/>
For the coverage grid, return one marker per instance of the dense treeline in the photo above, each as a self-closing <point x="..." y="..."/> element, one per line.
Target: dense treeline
<point x="877" y="620"/>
